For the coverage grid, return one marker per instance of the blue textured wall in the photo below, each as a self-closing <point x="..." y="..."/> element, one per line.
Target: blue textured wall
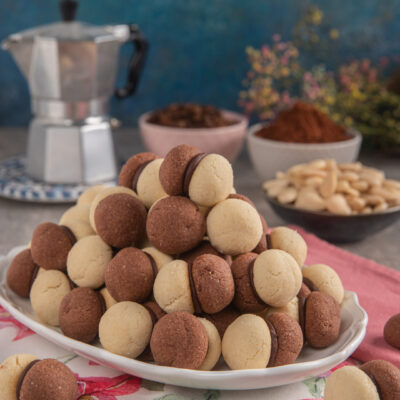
<point x="197" y="46"/>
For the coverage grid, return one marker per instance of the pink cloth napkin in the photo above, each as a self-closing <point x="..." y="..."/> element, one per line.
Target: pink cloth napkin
<point x="377" y="287"/>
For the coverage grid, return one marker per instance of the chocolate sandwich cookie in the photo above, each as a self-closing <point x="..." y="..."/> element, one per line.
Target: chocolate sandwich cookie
<point x="47" y="292"/>
<point x="247" y="343"/>
<point x="205" y="178"/>
<point x="79" y="228"/>
<point x="324" y="279"/>
<point x="80" y="313"/>
<point x="175" y="225"/>
<point x="120" y="220"/>
<point x="386" y="377"/>
<point x="319" y="316"/>
<point x="125" y="329"/>
<point x="262" y="244"/>
<point x="88" y="260"/>
<point x="130" y="275"/>
<point x="21" y="273"/>
<point x="141" y="174"/>
<point x="245" y="300"/>
<point x="374" y="380"/>
<point x="205" y="286"/>
<point x="286" y="339"/>
<point x="222" y="319"/>
<point x="108" y="299"/>
<point x="102" y="194"/>
<point x="179" y="340"/>
<point x="286" y="239"/>
<point x="10" y="371"/>
<point x="391" y="331"/>
<point x="47" y="379"/>
<point x="234" y="227"/>
<point x="50" y="245"/>
<point x="204" y="247"/>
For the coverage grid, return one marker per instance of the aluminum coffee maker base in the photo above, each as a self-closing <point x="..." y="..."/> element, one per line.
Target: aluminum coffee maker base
<point x="71" y="154"/>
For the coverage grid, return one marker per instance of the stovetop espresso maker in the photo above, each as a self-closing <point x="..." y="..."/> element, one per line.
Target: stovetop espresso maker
<point x="71" y="68"/>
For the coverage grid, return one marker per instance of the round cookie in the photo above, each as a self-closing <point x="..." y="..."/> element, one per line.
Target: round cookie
<point x="247" y="343"/>
<point x="321" y="319"/>
<point x="10" y="371"/>
<point x="289" y="339"/>
<point x="214" y="346"/>
<point x="159" y="257"/>
<point x="172" y="170"/>
<point x="350" y="383"/>
<point x="304" y="290"/>
<point x="50" y="245"/>
<point x="245" y="299"/>
<point x="89" y="194"/>
<point x="172" y="287"/>
<point x="132" y="166"/>
<point x="175" y="225"/>
<point x="108" y="299"/>
<point x="211" y="180"/>
<point x="21" y="273"/>
<point x="48" y="379"/>
<point x="289" y="240"/>
<point x="276" y="277"/>
<point x="386" y="376"/>
<point x="148" y="185"/>
<point x="234" y="227"/>
<point x="134" y="326"/>
<point x="179" y="340"/>
<point x="391" y="331"/>
<point x="80" y="313"/>
<point x="325" y="279"/>
<point x="120" y="220"/>
<point x="212" y="283"/>
<point x="79" y="228"/>
<point x="79" y="211"/>
<point x="47" y="292"/>
<point x="262" y="244"/>
<point x="102" y="195"/>
<point x="222" y="319"/>
<point x="88" y="260"/>
<point x="130" y="275"/>
<point x="204" y="247"/>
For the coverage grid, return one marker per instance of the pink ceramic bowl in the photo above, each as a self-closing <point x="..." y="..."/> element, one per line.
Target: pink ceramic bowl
<point x="226" y="140"/>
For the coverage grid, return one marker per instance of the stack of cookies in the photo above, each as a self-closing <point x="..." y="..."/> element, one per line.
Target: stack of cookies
<point x="173" y="267"/>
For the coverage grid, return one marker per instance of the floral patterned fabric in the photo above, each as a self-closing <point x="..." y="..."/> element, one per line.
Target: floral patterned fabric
<point x="100" y="383"/>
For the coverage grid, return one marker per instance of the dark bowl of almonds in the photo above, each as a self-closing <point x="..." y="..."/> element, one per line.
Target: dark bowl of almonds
<point x="204" y="126"/>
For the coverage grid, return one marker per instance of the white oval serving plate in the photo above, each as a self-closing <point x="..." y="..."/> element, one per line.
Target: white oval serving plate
<point x="310" y="363"/>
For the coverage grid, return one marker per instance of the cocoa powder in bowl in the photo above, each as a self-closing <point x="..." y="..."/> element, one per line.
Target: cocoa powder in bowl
<point x="303" y="123"/>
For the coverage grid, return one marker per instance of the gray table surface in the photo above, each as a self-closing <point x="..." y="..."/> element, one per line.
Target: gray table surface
<point x="18" y="219"/>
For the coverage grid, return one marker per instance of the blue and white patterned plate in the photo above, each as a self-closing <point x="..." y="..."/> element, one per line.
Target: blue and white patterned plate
<point x="16" y="184"/>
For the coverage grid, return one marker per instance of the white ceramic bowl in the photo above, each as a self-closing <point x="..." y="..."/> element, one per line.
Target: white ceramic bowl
<point x="270" y="156"/>
<point x="311" y="362"/>
<point x="225" y="140"/>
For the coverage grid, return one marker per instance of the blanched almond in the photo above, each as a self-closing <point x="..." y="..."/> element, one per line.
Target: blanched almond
<point x="344" y="187"/>
<point x="356" y="203"/>
<point x="288" y="195"/>
<point x="349" y="176"/>
<point x="381" y="207"/>
<point x="356" y="166"/>
<point x="373" y="199"/>
<point x="274" y="187"/>
<point x="337" y="204"/>
<point x="360" y="185"/>
<point x="372" y="176"/>
<point x="314" y="181"/>
<point x="328" y="186"/>
<point x="309" y="199"/>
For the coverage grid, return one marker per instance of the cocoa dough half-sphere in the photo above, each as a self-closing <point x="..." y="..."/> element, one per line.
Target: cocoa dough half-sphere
<point x="175" y="225"/>
<point x="120" y="220"/>
<point x="179" y="340"/>
<point x="50" y="245"/>
<point x="80" y="314"/>
<point x="391" y="332"/>
<point x="130" y="168"/>
<point x="130" y="275"/>
<point x="21" y="273"/>
<point x="48" y="379"/>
